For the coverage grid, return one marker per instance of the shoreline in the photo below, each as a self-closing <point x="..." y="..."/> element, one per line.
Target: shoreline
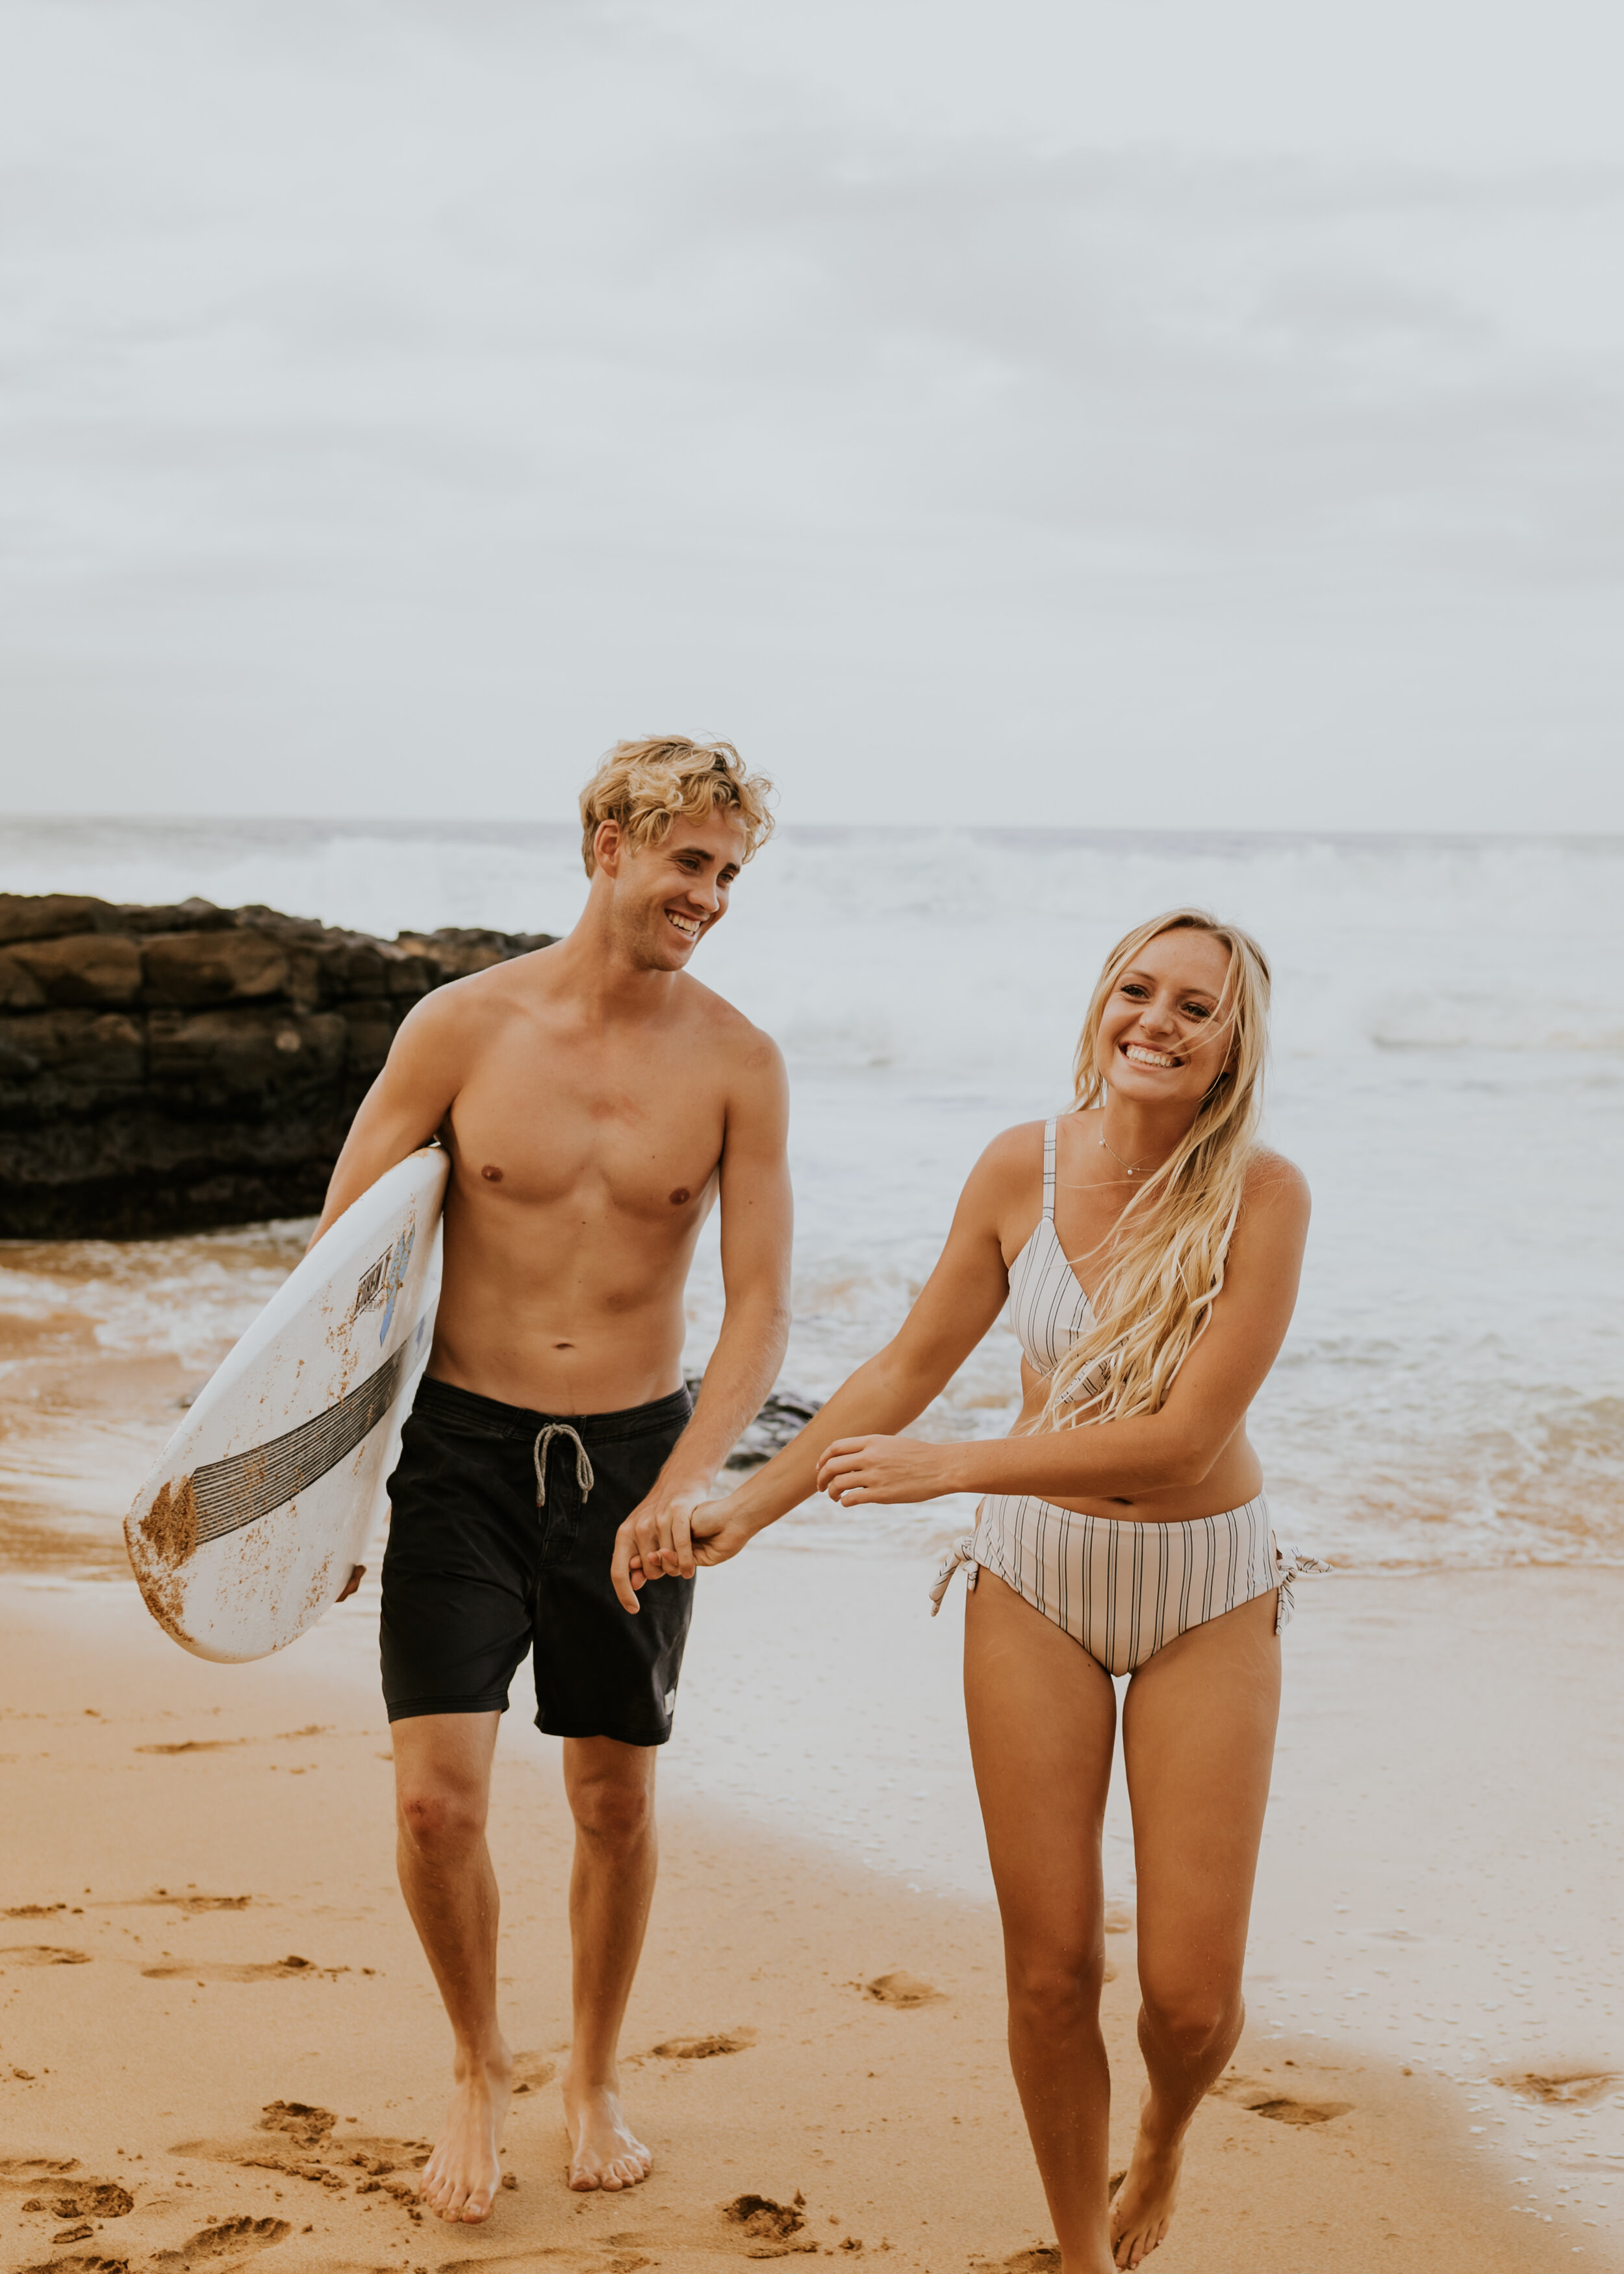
<point x="897" y="2124"/>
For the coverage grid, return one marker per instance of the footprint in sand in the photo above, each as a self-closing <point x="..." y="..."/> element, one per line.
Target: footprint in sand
<point x="732" y="2041"/>
<point x="531" y="2072"/>
<point x="302" y="2144"/>
<point x="770" y="2225"/>
<point x="1570" y="2089"/>
<point x="1042" y="2258"/>
<point x="32" y="2170"/>
<point x="43" y="1954"/>
<point x="526" y="2262"/>
<point x="94" y="2199"/>
<point x="195" y="1745"/>
<point x="1299" y="2112"/>
<point x="84" y="2262"/>
<point x="1261" y="2099"/>
<point x="160" y="1898"/>
<point x="298" y="2120"/>
<point x="901" y="1989"/>
<point x="292" y="1969"/>
<point x="232" y="2237"/>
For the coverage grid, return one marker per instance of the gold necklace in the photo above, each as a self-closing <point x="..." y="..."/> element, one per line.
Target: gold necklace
<point x="1116" y="1155"/>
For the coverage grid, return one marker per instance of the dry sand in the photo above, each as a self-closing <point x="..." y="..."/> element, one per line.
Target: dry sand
<point x="217" y="2036"/>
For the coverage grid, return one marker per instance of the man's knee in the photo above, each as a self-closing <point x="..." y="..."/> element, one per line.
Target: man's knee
<point x="618" y="1808"/>
<point x="441" y="1819"/>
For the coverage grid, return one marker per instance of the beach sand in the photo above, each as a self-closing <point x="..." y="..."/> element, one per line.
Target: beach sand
<point x="218" y="2038"/>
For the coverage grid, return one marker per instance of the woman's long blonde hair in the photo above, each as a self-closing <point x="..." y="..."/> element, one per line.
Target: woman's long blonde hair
<point x="1165" y="1255"/>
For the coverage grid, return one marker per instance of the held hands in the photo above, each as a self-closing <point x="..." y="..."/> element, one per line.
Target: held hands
<point x="655" y="1540"/>
<point x="675" y="1533"/>
<point x="671" y="1537"/>
<point x="856" y="1470"/>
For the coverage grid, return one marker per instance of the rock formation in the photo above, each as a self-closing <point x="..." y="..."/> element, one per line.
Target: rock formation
<point x="168" y="1069"/>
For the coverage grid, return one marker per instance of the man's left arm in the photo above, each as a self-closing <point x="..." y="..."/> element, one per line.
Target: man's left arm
<point x="757" y="1221"/>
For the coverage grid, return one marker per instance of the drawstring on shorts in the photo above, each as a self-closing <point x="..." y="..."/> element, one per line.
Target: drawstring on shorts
<point x="583" y="1467"/>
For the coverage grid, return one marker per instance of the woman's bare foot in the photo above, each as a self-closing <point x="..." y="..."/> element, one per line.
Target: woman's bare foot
<point x="1142" y="2209"/>
<point x="460" y="2179"/>
<point x="604" y="2152"/>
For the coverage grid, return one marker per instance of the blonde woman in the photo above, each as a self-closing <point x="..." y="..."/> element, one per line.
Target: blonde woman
<point x="1123" y="1530"/>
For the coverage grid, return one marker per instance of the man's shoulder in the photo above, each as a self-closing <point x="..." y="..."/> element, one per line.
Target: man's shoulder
<point x="725" y="1027"/>
<point x="502" y="990"/>
<point x="457" y="1027"/>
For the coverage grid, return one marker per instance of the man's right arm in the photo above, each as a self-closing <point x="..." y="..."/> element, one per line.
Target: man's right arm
<point x="406" y="1103"/>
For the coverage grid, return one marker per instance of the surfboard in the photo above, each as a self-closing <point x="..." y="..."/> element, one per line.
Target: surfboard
<point x="264" y="1499"/>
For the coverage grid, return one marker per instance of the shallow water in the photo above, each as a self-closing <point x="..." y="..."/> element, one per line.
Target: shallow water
<point x="1448" y="1070"/>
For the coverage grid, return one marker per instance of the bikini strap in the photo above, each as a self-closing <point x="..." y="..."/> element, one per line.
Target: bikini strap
<point x="1048" y="1170"/>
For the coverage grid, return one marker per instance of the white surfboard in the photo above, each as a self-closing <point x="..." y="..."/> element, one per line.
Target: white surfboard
<point x="265" y="1496"/>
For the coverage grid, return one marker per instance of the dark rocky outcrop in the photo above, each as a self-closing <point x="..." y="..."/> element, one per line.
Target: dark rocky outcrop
<point x="168" y="1069"/>
<point x="784" y="1416"/>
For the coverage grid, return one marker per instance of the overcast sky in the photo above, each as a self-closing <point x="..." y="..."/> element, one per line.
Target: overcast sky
<point x="1130" y="413"/>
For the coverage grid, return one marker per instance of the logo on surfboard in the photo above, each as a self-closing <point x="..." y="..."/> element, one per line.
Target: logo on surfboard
<point x="383" y="1281"/>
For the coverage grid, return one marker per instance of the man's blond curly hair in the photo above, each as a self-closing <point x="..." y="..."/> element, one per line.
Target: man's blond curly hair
<point x="646" y="786"/>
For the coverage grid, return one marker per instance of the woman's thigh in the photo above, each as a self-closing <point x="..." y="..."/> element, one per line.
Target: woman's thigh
<point x="1198" y="1745"/>
<point x="1042" y="1720"/>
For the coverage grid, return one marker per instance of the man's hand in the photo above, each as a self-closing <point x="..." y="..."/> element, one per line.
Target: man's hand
<point x="857" y="1470"/>
<point x="655" y="1541"/>
<point x="358" y="1572"/>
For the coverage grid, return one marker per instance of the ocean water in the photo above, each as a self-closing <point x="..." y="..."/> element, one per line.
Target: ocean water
<point x="1448" y="1070"/>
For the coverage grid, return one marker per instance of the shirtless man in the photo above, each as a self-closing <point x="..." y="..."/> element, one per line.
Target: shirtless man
<point x="596" y="1102"/>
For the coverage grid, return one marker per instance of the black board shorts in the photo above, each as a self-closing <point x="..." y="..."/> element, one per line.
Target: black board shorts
<point x="476" y="1573"/>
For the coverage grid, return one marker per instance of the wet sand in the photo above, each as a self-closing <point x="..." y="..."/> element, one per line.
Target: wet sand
<point x="217" y="2036"/>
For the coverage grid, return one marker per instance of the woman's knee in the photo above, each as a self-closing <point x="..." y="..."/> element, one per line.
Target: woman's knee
<point x="1192" y="2022"/>
<point x="1055" y="1989"/>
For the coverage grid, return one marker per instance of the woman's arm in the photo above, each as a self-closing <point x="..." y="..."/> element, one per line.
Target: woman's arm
<point x="958" y="1303"/>
<point x="1116" y="1459"/>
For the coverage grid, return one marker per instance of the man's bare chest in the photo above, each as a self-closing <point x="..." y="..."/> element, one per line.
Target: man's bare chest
<point x="641" y="1139"/>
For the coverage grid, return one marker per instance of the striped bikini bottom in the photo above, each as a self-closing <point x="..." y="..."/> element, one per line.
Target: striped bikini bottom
<point x="1122" y="1589"/>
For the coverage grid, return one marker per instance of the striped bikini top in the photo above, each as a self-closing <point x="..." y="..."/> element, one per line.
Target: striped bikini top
<point x="1048" y="1309"/>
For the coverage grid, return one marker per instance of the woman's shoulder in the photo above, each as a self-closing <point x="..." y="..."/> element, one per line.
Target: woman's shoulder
<point x="1274" y="1183"/>
<point x="1008" y="1172"/>
<point x="1017" y="1152"/>
<point x="1016" y="1143"/>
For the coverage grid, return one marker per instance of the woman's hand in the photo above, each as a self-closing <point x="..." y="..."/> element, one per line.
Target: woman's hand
<point x="856" y="1470"/>
<point x="719" y="1531"/>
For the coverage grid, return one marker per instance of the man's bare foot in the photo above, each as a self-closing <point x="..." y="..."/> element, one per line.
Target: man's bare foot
<point x="460" y="2179"/>
<point x="604" y="2152"/>
<point x="1142" y="2209"/>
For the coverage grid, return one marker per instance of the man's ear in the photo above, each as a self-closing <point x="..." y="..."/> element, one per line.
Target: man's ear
<point x="607" y="846"/>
